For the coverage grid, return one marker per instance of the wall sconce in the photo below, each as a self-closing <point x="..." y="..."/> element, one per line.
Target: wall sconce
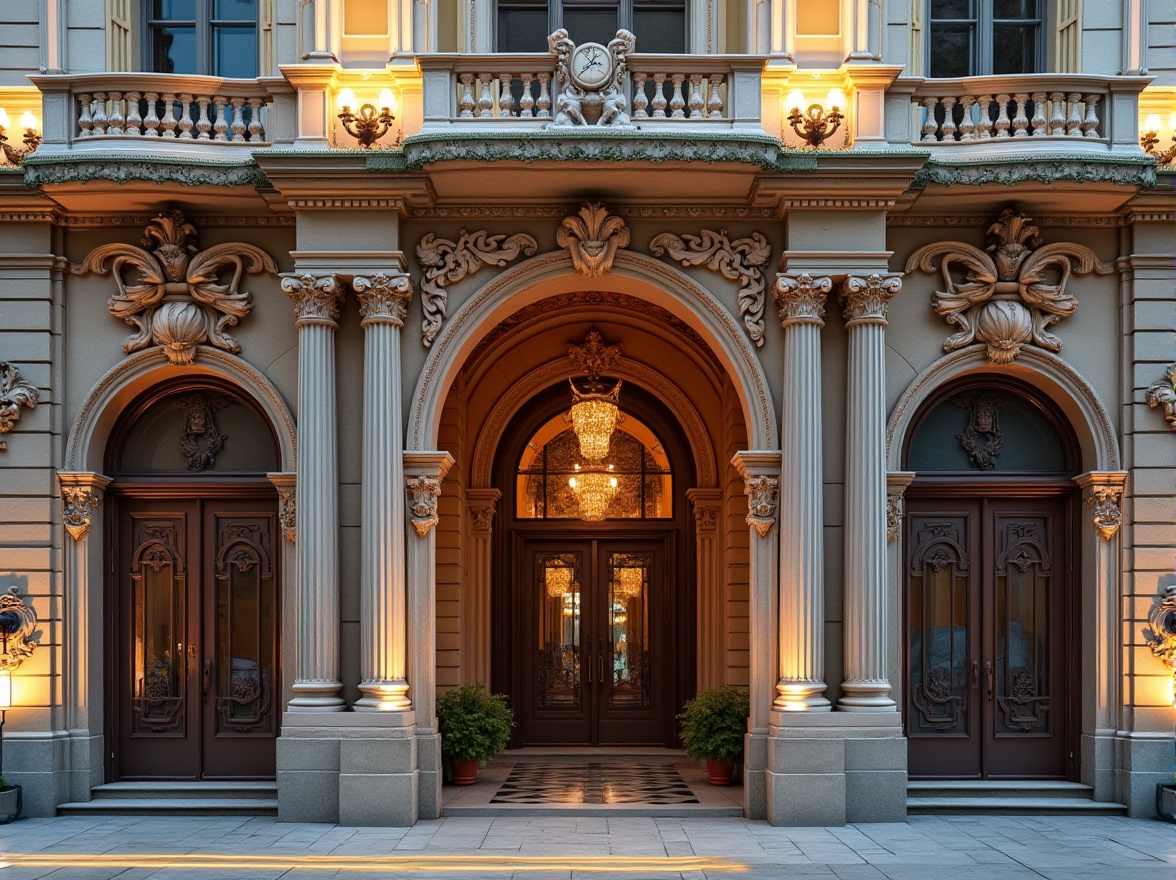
<point x="367" y="127"/>
<point x="1151" y="127"/>
<point x="818" y="123"/>
<point x="32" y="140"/>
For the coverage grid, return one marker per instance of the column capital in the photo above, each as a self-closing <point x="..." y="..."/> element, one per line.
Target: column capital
<point x="801" y="298"/>
<point x="482" y="505"/>
<point x="706" y="504"/>
<point x="316" y="298"/>
<point x="1101" y="492"/>
<point x="896" y="486"/>
<point x="763" y="493"/>
<point x="81" y="494"/>
<point x="383" y="299"/>
<point x="287" y="485"/>
<point x="864" y="298"/>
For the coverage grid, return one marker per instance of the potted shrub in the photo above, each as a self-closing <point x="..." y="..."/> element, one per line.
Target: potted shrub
<point x="474" y="726"/>
<point x="713" y="725"/>
<point x="11" y="797"/>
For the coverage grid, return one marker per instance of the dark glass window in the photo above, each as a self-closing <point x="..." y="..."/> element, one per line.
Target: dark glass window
<point x="976" y="37"/>
<point x="217" y="37"/>
<point x="659" y="25"/>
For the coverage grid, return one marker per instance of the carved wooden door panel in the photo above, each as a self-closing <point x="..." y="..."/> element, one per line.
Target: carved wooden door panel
<point x="195" y="639"/>
<point x="987" y="607"/>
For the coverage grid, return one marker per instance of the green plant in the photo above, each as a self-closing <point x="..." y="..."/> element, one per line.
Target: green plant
<point x="474" y="725"/>
<point x="713" y="724"/>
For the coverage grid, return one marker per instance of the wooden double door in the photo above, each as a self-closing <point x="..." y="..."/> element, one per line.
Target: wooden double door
<point x="989" y="640"/>
<point x="194" y="638"/>
<point x="592" y="651"/>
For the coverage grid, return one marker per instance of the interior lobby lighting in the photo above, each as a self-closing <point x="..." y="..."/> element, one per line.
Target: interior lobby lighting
<point x="816" y="123"/>
<point x="629" y="582"/>
<point x="32" y="140"/>
<point x="594" y="418"/>
<point x="594" y="490"/>
<point x="1151" y="128"/>
<point x="559" y="580"/>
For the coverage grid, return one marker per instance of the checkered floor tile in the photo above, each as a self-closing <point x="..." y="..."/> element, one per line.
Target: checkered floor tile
<point x="594" y="784"/>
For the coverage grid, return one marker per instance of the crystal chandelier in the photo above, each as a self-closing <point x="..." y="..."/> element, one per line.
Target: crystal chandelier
<point x="629" y="582"/>
<point x="594" y="491"/>
<point x="594" y="409"/>
<point x="559" y="580"/>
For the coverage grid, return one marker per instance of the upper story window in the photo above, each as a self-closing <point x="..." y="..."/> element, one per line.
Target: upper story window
<point x="216" y="37"/>
<point x="660" y="25"/>
<point x="978" y="37"/>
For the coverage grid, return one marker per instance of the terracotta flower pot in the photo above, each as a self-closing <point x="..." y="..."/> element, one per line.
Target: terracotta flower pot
<point x="465" y="772"/>
<point x="718" y="772"/>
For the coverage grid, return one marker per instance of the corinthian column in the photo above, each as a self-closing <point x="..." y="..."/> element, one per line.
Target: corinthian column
<point x="383" y="303"/>
<point x="316" y="305"/>
<point x="801" y="300"/>
<point x="866" y="687"/>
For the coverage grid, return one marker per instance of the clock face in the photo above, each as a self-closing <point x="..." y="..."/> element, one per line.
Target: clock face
<point x="591" y="66"/>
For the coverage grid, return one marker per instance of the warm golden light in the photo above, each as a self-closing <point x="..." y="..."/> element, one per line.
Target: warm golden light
<point x="795" y="100"/>
<point x="28" y="120"/>
<point x="387" y="100"/>
<point x="629" y="582"/>
<point x="594" y="492"/>
<point x="1152" y="123"/>
<point x="346" y="98"/>
<point x="4" y="120"/>
<point x="594" y="419"/>
<point x="559" y="580"/>
<point x="5" y="689"/>
<point x="835" y="98"/>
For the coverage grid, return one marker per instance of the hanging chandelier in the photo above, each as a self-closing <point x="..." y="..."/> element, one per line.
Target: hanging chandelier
<point x="559" y="580"/>
<point x="594" y="490"/>
<point x="595" y="412"/>
<point x="629" y="582"/>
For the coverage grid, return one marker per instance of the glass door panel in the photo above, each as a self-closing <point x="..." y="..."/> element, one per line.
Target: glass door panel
<point x="559" y="628"/>
<point x="628" y="683"/>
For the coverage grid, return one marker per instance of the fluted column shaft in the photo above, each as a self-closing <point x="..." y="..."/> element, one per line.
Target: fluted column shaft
<point x="383" y="303"/>
<point x="801" y="688"/>
<point x="866" y="687"/>
<point x="316" y="305"/>
<point x="475" y="643"/>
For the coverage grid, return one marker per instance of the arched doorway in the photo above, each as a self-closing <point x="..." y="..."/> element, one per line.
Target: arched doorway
<point x="991" y="585"/>
<point x="192" y="632"/>
<point x="594" y="621"/>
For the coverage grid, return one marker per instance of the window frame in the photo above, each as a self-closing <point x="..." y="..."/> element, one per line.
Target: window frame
<point x="625" y="15"/>
<point x="983" y="22"/>
<point x="205" y="27"/>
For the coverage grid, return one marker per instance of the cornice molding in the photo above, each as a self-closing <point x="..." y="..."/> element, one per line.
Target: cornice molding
<point x="1137" y="171"/>
<point x="638" y="212"/>
<point x="116" y="168"/>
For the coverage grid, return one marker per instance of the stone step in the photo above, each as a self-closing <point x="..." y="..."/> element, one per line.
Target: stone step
<point x="614" y="811"/>
<point x="1011" y="806"/>
<point x="997" y="788"/>
<point x="592" y="755"/>
<point x="170" y="806"/>
<point x="153" y="790"/>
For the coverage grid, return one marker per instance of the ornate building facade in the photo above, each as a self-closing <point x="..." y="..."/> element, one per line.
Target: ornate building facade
<point x="879" y="297"/>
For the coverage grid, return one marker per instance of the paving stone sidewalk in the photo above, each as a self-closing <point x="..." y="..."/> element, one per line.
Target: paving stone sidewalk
<point x="574" y="848"/>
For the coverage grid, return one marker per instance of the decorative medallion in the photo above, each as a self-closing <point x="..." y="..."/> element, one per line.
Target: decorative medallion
<point x="1011" y="292"/>
<point x="446" y="262"/>
<point x="982" y="439"/>
<point x="1162" y="394"/>
<point x="175" y="299"/>
<point x="592" y="236"/>
<point x="200" y="441"/>
<point x="592" y="77"/>
<point x="15" y="392"/>
<point x="741" y="260"/>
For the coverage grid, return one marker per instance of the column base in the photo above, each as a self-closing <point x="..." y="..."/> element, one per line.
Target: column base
<point x="317" y="696"/>
<point x="383" y="696"/>
<point x="801" y="696"/>
<point x="866" y="696"/>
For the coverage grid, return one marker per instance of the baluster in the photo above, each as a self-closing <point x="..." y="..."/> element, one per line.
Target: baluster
<point x="185" y="123"/>
<point x="527" y="100"/>
<point x="134" y="120"/>
<point x="151" y="120"/>
<point x="1057" y="116"/>
<point x="677" y="102"/>
<point x="485" y="99"/>
<point x="99" y="113"/>
<point x="203" y="123"/>
<point x="505" y="98"/>
<point x="1020" y="120"/>
<point x="238" y="124"/>
<point x="984" y="117"/>
<point x="544" y="103"/>
<point x="256" y="127"/>
<point x="114" y="123"/>
<point x="167" y="125"/>
<point x="659" y="96"/>
<point x="85" y="120"/>
<point x="1090" y="123"/>
<point x="221" y="125"/>
<point x="1074" y="119"/>
<point x="696" y="102"/>
<point x="640" y="99"/>
<point x="714" y="105"/>
<point x="930" y="126"/>
<point x="1038" y="120"/>
<point x="948" y="129"/>
<point x="467" y="96"/>
<point x="967" y="124"/>
<point x="1002" y="119"/>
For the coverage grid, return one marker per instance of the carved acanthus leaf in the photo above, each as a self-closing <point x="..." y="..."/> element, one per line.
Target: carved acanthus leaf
<point x="422" y="503"/>
<point x="18" y="644"/>
<point x="1103" y="501"/>
<point x="741" y="260"/>
<point x="316" y="297"/>
<point x="175" y="298"/>
<point x="15" y="392"/>
<point x="446" y="262"/>
<point x="801" y="298"/>
<point x="866" y="298"/>
<point x="592" y="236"/>
<point x="1009" y="295"/>
<point x="1162" y="394"/>
<point x="79" y="504"/>
<point x="383" y="298"/>
<point x="762" y="494"/>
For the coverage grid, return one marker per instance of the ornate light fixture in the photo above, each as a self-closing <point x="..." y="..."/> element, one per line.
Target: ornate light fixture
<point x="558" y="580"/>
<point x="1151" y="128"/>
<point x="32" y="140"/>
<point x="818" y="123"/>
<point x="629" y="582"/>
<point x="367" y="127"/>
<point x="594" y="490"/>
<point x="595" y="414"/>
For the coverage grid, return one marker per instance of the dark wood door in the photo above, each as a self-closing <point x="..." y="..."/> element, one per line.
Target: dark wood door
<point x="988" y="602"/>
<point x="195" y="639"/>
<point x="591" y="648"/>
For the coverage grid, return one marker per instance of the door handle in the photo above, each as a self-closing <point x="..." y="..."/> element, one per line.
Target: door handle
<point x="602" y="681"/>
<point x="588" y="664"/>
<point x="988" y="676"/>
<point x="207" y="678"/>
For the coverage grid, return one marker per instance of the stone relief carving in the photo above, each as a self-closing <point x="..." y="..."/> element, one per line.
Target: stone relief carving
<point x="706" y="517"/>
<point x="175" y="299"/>
<point x="316" y="298"/>
<point x="592" y="79"/>
<point x="79" y="503"/>
<point x="982" y="438"/>
<point x="741" y="260"/>
<point x="1103" y="501"/>
<point x="446" y="262"/>
<point x="1006" y="299"/>
<point x="895" y="511"/>
<point x="15" y="392"/>
<point x="1161" y="638"/>
<point x="762" y="494"/>
<point x="801" y="298"/>
<point x="200" y="441"/>
<point x="482" y="517"/>
<point x="592" y="236"/>
<point x="1162" y="394"/>
<point x="866" y="298"/>
<point x="422" y="503"/>
<point x="383" y="298"/>
<point x="19" y="644"/>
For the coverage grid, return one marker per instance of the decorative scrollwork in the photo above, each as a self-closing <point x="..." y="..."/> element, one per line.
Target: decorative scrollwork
<point x="15" y="392"/>
<point x="18" y="641"/>
<point x="79" y="503"/>
<point x="1023" y="709"/>
<point x="741" y="260"/>
<point x="422" y="503"/>
<point x="592" y="79"/>
<point x="801" y="298"/>
<point x="591" y="237"/>
<point x="446" y="262"/>
<point x="176" y="299"/>
<point x="762" y="494"/>
<point x="940" y="707"/>
<point x="1162" y="394"/>
<point x="1005" y="299"/>
<point x="1103" y="501"/>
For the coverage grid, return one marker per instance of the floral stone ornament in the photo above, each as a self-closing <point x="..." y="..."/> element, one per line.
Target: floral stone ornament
<point x="1163" y="395"/>
<point x="170" y="289"/>
<point x="1011" y="292"/>
<point x="15" y="392"/>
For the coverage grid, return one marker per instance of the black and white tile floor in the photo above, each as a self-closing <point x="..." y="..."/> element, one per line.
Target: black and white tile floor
<point x="592" y="783"/>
